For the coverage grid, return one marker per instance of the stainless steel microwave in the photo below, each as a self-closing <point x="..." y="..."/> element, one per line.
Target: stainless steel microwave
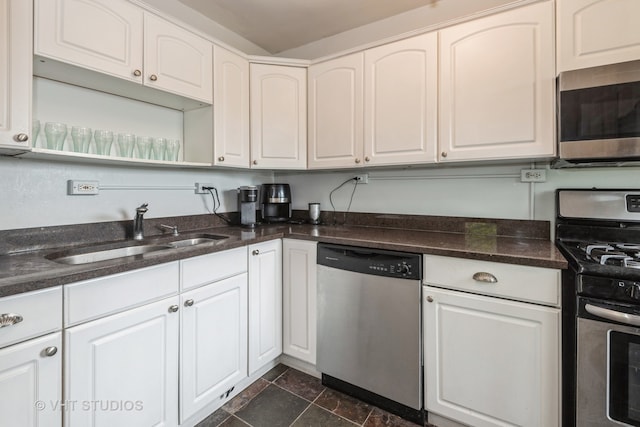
<point x="599" y="113"/>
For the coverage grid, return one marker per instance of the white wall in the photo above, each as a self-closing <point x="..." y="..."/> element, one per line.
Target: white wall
<point x="34" y="193"/>
<point x="486" y="191"/>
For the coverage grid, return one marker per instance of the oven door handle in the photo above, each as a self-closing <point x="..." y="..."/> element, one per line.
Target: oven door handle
<point x="616" y="316"/>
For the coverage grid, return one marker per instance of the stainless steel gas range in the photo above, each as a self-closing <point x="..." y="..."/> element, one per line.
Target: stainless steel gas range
<point x="598" y="231"/>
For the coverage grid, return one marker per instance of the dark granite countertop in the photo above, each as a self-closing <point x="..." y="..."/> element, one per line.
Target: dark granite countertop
<point x="27" y="269"/>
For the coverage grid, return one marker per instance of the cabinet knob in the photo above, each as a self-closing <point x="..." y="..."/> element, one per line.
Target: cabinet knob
<point x="137" y="73"/>
<point x="188" y="303"/>
<point x="50" y="351"/>
<point x="9" y="319"/>
<point x="366" y="159"/>
<point x="485" y="277"/>
<point x="173" y="308"/>
<point x="221" y="159"/>
<point x="429" y="298"/>
<point x="256" y="252"/>
<point x="255" y="162"/>
<point x="153" y="77"/>
<point x="21" y="137"/>
<point x="443" y="154"/>
<point x="357" y="160"/>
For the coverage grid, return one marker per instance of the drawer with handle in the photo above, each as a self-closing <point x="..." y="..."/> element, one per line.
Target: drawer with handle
<point x="29" y="315"/>
<point x="517" y="282"/>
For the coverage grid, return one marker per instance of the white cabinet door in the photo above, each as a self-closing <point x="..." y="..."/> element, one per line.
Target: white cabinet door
<point x="597" y="32"/>
<point x="15" y="74"/>
<point x="336" y="113"/>
<point x="299" y="299"/>
<point x="491" y="362"/>
<point x="278" y="117"/>
<point x="129" y="360"/>
<point x="265" y="303"/>
<point x="213" y="343"/>
<point x="497" y="86"/>
<point x="230" y="109"/>
<point x="400" y="101"/>
<point x="102" y="35"/>
<point x="176" y="60"/>
<point x="31" y="383"/>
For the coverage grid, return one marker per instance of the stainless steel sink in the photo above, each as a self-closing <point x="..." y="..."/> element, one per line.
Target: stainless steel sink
<point x="193" y="242"/>
<point x="87" y="256"/>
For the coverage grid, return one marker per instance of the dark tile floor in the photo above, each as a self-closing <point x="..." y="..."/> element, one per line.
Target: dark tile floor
<point x="286" y="397"/>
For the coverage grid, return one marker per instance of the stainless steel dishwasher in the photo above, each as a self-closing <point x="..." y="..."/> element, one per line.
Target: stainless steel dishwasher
<point x="369" y="326"/>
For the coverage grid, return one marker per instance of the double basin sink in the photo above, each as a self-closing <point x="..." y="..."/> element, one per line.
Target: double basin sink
<point x="105" y="252"/>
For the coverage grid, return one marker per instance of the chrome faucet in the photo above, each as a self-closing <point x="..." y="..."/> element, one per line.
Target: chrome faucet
<point x="138" y="226"/>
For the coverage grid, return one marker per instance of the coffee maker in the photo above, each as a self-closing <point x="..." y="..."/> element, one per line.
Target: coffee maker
<point x="275" y="202"/>
<point x="247" y="205"/>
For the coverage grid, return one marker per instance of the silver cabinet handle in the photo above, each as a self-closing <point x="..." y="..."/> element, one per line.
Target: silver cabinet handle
<point x="173" y="308"/>
<point x="188" y="303"/>
<point x="367" y="159"/>
<point x="137" y="73"/>
<point x="50" y="351"/>
<point x="484" y="277"/>
<point x="21" y="137"/>
<point x="256" y="252"/>
<point x="357" y="160"/>
<point x="429" y="298"/>
<point x="221" y="159"/>
<point x="443" y="154"/>
<point x="255" y="162"/>
<point x="616" y="316"/>
<point x="9" y="319"/>
<point x="153" y="77"/>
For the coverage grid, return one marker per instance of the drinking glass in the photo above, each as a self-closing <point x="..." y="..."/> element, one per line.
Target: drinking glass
<point x="143" y="147"/>
<point x="126" y="142"/>
<point x="81" y="137"/>
<point x="173" y="149"/>
<point x="35" y="130"/>
<point x="158" y="148"/>
<point x="55" y="133"/>
<point x="103" y="140"/>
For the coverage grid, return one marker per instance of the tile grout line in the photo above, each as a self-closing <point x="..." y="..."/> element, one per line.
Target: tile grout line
<point x="300" y="414"/>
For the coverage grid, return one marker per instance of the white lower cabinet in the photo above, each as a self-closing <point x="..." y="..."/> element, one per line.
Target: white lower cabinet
<point x="489" y="361"/>
<point x="31" y="382"/>
<point x="31" y="359"/>
<point x="213" y="342"/>
<point x="122" y="370"/>
<point x="299" y="299"/>
<point x="265" y="303"/>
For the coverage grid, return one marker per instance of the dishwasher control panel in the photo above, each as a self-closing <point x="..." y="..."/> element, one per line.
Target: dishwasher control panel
<point x="371" y="261"/>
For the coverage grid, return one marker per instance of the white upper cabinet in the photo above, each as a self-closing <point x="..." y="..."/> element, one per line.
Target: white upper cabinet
<point x="176" y="60"/>
<point x="230" y="109"/>
<point x="336" y="112"/>
<point x="400" y="101"/>
<point x="103" y="35"/>
<point x="597" y="32"/>
<point x="15" y="74"/>
<point x="117" y="38"/>
<point x="497" y="86"/>
<point x="278" y="117"/>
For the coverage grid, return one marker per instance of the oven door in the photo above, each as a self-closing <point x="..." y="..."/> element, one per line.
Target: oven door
<point x="608" y="364"/>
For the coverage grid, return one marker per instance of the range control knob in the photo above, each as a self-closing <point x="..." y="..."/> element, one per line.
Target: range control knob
<point x="404" y="269"/>
<point x="633" y="291"/>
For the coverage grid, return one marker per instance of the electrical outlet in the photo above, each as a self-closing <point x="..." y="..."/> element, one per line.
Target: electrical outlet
<point x="363" y="178"/>
<point x="76" y="187"/>
<point x="200" y="187"/>
<point x="533" y="175"/>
